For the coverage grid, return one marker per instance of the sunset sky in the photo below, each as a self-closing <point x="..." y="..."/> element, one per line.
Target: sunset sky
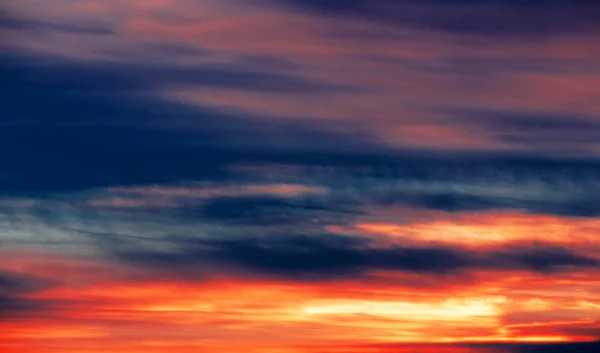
<point x="299" y="176"/>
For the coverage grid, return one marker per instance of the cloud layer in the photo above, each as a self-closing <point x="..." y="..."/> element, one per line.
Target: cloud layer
<point x="300" y="176"/>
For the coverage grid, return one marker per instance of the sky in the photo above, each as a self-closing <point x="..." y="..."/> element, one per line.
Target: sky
<point x="299" y="176"/>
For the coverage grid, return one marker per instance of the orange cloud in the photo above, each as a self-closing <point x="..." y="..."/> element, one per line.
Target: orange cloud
<point x="485" y="229"/>
<point x="119" y="309"/>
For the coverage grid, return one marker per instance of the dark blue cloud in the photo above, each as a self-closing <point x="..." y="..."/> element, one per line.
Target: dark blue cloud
<point x="14" y="287"/>
<point x="251" y="210"/>
<point x="55" y="73"/>
<point x="17" y="283"/>
<point x="480" y="17"/>
<point x="541" y="258"/>
<point x="452" y="183"/>
<point x="16" y="307"/>
<point x="294" y="256"/>
<point x="578" y="203"/>
<point x="323" y="256"/>
<point x="23" y="24"/>
<point x="267" y="61"/>
<point x="444" y="200"/>
<point x="531" y="130"/>
<point x="576" y="347"/>
<point x="155" y="51"/>
<point x="559" y="347"/>
<point x="266" y="210"/>
<point x="71" y="126"/>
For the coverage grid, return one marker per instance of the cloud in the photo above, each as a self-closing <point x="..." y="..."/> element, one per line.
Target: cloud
<point x="479" y="17"/>
<point x="71" y="126"/>
<point x="124" y="76"/>
<point x="585" y="347"/>
<point x="14" y="289"/>
<point x="531" y="130"/>
<point x="570" y="347"/>
<point x="576" y="327"/>
<point x="22" y="24"/>
<point x="193" y="194"/>
<point x="323" y="256"/>
<point x="455" y="183"/>
<point x="306" y="211"/>
<point x="540" y="258"/>
<point x="254" y="210"/>
<point x="16" y="283"/>
<point x="394" y="170"/>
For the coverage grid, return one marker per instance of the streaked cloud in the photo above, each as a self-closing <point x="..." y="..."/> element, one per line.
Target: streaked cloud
<point x="299" y="176"/>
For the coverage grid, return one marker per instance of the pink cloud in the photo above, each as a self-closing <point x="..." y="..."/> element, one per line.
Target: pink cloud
<point x="165" y="196"/>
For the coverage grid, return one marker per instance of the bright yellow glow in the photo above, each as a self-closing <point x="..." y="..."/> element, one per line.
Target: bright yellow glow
<point x="460" y="310"/>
